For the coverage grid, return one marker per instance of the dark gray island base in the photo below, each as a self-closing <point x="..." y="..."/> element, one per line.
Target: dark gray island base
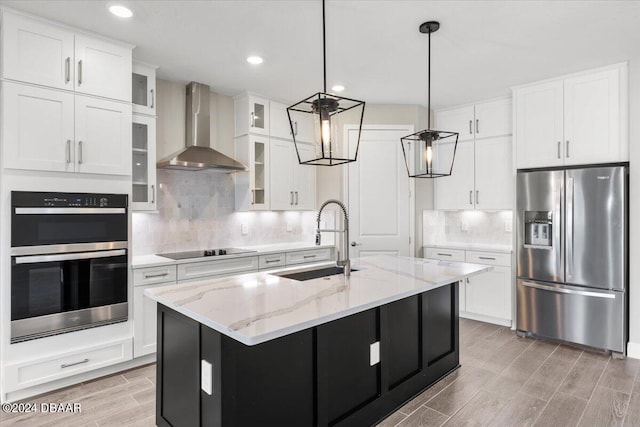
<point x="321" y="376"/>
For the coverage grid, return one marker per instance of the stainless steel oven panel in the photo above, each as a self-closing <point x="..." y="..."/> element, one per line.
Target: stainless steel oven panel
<point x="541" y="191"/>
<point x="580" y="315"/>
<point x="32" y="259"/>
<point x="67" y="211"/>
<point x="58" y="323"/>
<point x="66" y="248"/>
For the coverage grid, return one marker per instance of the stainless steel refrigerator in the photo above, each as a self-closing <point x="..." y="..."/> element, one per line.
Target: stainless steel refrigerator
<point x="572" y="240"/>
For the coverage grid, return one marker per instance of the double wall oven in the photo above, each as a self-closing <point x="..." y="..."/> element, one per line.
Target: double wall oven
<point x="69" y="264"/>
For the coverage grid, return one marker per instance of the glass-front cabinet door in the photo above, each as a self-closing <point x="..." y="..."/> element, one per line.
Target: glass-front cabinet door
<point x="143" y="176"/>
<point x="143" y="88"/>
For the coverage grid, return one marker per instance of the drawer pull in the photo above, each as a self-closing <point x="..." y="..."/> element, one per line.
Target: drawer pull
<point x="68" y="365"/>
<point x="269" y="261"/>
<point x="309" y="256"/>
<point x="438" y="253"/>
<point x="487" y="257"/>
<point x="151" y="276"/>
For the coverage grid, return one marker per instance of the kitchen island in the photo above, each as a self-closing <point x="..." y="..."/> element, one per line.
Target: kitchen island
<point x="262" y="349"/>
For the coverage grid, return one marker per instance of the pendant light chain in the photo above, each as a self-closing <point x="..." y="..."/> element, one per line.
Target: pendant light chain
<point x="324" y="49"/>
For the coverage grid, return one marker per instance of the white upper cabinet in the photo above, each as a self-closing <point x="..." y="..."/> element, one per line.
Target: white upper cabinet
<point x="37" y="128"/>
<point x="251" y="115"/>
<point x="102" y="68"/>
<point x="253" y="188"/>
<point x="482" y="169"/>
<point x="482" y="120"/>
<point x="455" y="192"/>
<point x="143" y="168"/>
<point x="579" y="119"/>
<point x="493" y="119"/>
<point x="292" y="184"/>
<point x="459" y="120"/>
<point x="143" y="88"/>
<point x="103" y="136"/>
<point x="36" y="52"/>
<point x="279" y="121"/>
<point x="592" y="118"/>
<point x="539" y="125"/>
<point x="494" y="174"/>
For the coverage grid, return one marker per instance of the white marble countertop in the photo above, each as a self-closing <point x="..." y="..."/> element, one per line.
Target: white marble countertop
<point x="141" y="261"/>
<point x="258" y="307"/>
<point x="472" y="247"/>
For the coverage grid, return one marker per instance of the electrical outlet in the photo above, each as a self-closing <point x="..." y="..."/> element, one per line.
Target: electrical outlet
<point x="289" y="227"/>
<point x="508" y="226"/>
<point x="206" y="377"/>
<point x="244" y="229"/>
<point x="464" y="226"/>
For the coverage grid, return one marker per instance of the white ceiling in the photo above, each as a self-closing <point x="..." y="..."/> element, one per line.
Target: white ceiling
<point x="373" y="47"/>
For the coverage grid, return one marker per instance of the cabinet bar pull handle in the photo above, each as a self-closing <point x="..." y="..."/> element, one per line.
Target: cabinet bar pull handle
<point x="438" y="253"/>
<point x="567" y="148"/>
<point x="290" y="198"/>
<point x="152" y="98"/>
<point x="253" y="119"/>
<point x="68" y="365"/>
<point x="253" y="197"/>
<point x="151" y="276"/>
<point x="153" y="193"/>
<point x="487" y="257"/>
<point x="296" y="198"/>
<point x="79" y="72"/>
<point x="79" y="152"/>
<point x="477" y="197"/>
<point x="295" y="128"/>
<point x="559" y="148"/>
<point x="470" y="197"/>
<point x="470" y="127"/>
<point x="308" y="256"/>
<point x="269" y="261"/>
<point x="68" y="151"/>
<point x="67" y="69"/>
<point x="477" y="125"/>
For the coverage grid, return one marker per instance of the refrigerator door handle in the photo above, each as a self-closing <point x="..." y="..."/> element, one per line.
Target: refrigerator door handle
<point x="569" y="228"/>
<point x="568" y="291"/>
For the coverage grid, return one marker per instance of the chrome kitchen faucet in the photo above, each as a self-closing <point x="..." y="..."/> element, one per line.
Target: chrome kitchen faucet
<point x="346" y="262"/>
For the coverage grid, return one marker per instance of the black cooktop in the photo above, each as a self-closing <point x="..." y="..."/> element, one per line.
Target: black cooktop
<point x="205" y="253"/>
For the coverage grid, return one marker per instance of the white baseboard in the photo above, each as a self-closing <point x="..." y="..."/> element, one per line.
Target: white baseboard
<point x="633" y="350"/>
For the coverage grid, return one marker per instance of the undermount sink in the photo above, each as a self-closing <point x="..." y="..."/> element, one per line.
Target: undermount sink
<point x="301" y="276"/>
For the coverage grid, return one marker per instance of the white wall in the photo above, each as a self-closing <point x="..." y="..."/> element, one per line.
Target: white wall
<point x="634" y="214"/>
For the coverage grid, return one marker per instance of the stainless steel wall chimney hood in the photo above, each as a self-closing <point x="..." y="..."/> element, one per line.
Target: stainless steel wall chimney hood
<point x="198" y="155"/>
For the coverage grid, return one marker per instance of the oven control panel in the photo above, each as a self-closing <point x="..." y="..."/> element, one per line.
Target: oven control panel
<point x="67" y="200"/>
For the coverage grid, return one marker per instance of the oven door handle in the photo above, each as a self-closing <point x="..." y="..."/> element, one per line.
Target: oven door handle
<point x="66" y="211"/>
<point x="32" y="259"/>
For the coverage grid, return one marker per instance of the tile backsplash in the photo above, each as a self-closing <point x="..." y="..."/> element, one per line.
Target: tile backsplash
<point x="477" y="227"/>
<point x="196" y="211"/>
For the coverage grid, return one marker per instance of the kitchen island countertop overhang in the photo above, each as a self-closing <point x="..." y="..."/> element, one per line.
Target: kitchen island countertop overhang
<point x="258" y="307"/>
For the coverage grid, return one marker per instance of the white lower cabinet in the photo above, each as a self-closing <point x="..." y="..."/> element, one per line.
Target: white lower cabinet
<point x="144" y="321"/>
<point x="485" y="296"/>
<point x="39" y="371"/>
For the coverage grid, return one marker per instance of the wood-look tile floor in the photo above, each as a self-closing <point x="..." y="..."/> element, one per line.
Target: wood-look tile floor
<point x="504" y="381"/>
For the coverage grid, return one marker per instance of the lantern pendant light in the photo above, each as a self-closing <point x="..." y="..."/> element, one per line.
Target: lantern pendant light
<point x="325" y="113"/>
<point x="429" y="153"/>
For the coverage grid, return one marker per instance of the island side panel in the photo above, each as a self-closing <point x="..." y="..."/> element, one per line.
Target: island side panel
<point x="178" y="370"/>
<point x="269" y="384"/>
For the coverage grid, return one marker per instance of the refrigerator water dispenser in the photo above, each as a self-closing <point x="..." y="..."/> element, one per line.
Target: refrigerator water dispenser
<point x="538" y="227"/>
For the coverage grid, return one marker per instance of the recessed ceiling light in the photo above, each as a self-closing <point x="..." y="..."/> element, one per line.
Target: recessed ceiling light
<point x="337" y="88"/>
<point x="120" y="11"/>
<point x="254" y="60"/>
